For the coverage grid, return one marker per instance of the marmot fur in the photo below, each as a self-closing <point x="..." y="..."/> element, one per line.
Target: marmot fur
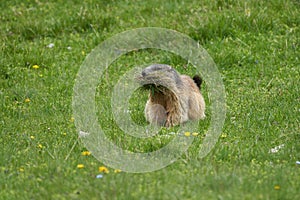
<point x="173" y="98"/>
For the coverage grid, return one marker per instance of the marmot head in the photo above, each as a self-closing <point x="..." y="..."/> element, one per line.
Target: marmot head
<point x="160" y="75"/>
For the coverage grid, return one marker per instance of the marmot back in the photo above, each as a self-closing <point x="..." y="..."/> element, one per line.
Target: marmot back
<point x="173" y="98"/>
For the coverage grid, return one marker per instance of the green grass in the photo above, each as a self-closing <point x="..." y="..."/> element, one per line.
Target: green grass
<point x="255" y="45"/>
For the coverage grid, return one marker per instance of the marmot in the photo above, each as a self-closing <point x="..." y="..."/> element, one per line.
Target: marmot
<point x="173" y="99"/>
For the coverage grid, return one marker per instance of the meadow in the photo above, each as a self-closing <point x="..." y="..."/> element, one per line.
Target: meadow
<point x="255" y="45"/>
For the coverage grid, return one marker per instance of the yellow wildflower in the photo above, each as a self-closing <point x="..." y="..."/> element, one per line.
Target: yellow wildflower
<point x="40" y="146"/>
<point x="117" y="170"/>
<point x="80" y="166"/>
<point x="223" y="135"/>
<point x="187" y="134"/>
<point x="27" y="100"/>
<point x="35" y="66"/>
<point x="72" y="119"/>
<point x="85" y="153"/>
<point x="21" y="169"/>
<point x="277" y="187"/>
<point x="195" y="134"/>
<point x="103" y="169"/>
<point x="32" y="137"/>
<point x="248" y="12"/>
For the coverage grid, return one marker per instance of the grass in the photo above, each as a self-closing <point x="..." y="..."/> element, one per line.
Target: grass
<point x="255" y="45"/>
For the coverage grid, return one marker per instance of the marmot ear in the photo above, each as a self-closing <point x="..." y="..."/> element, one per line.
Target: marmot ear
<point x="198" y="80"/>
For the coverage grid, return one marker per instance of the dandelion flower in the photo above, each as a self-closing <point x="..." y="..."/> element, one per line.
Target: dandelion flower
<point x="187" y="134"/>
<point x="80" y="166"/>
<point x="32" y="137"/>
<point x="117" y="170"/>
<point x="27" y="100"/>
<point x="277" y="187"/>
<point x="40" y="146"/>
<point x="85" y="153"/>
<point x="223" y="135"/>
<point x="103" y="169"/>
<point x="195" y="134"/>
<point x="21" y="169"/>
<point x="35" y="66"/>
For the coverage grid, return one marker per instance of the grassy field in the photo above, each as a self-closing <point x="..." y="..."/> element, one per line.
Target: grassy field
<point x="255" y="45"/>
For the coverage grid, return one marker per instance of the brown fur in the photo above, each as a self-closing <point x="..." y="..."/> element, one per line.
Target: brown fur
<point x="173" y="99"/>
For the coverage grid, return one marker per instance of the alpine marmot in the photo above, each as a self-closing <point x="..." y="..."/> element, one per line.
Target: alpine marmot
<point x="173" y="99"/>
